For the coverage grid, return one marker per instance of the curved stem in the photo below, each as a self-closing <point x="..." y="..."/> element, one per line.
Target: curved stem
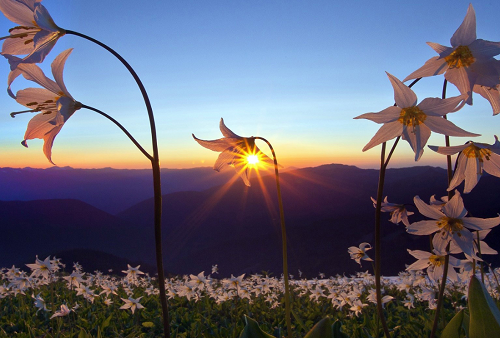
<point x="122" y="128"/>
<point x="283" y="239"/>
<point x="155" y="164"/>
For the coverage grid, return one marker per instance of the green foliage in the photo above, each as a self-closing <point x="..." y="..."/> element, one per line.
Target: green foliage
<point x="484" y="313"/>
<point x="252" y="330"/>
<point x="456" y="327"/>
<point x="323" y="329"/>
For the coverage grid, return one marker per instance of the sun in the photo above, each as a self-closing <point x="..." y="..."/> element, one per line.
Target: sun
<point x="252" y="159"/>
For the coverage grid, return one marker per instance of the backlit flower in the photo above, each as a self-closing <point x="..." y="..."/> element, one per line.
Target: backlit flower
<point x="411" y="121"/>
<point x="53" y="101"/>
<point x="61" y="313"/>
<point x="236" y="151"/>
<point x="398" y="211"/>
<point x="36" y="34"/>
<point x="450" y="224"/>
<point x="434" y="263"/>
<point x="359" y="253"/>
<point x="468" y="64"/>
<point x="474" y="158"/>
<point x="131" y="304"/>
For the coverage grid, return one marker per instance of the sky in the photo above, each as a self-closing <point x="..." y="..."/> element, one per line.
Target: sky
<point x="293" y="72"/>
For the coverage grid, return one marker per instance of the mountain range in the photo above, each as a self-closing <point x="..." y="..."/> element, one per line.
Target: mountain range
<point x="327" y="210"/>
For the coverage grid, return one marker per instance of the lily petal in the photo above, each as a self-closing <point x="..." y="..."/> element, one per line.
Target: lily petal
<point x="466" y="33"/>
<point x="403" y="96"/>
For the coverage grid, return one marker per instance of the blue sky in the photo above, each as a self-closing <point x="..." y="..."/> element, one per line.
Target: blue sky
<point x="294" y="72"/>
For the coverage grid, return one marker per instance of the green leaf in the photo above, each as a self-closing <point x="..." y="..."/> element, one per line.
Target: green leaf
<point x="336" y="330"/>
<point x="484" y="314"/>
<point x="252" y="330"/>
<point x="323" y="329"/>
<point x="105" y="324"/>
<point x="148" y="324"/>
<point x="455" y="327"/>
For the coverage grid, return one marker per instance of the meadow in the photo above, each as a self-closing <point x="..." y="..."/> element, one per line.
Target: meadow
<point x="46" y="302"/>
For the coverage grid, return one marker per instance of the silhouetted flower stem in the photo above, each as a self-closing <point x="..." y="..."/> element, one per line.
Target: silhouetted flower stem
<point x="155" y="163"/>
<point x="442" y="287"/>
<point x="283" y="239"/>
<point x="384" y="162"/>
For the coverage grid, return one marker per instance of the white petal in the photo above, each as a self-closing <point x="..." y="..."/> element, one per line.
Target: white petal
<point x="403" y="96"/>
<point x="419" y="254"/>
<point x="442" y="126"/>
<point x="389" y="114"/>
<point x="440" y="49"/>
<point x="43" y="18"/>
<point x="217" y="145"/>
<point x="449" y="150"/>
<point x="480" y="223"/>
<point x="433" y="66"/>
<point x="422" y="228"/>
<point x="224" y="159"/>
<point x="490" y="94"/>
<point x="226" y="131"/>
<point x="417" y="137"/>
<point x="18" y="12"/>
<point x="472" y="174"/>
<point x="387" y="132"/>
<point x="439" y="107"/>
<point x="484" y="50"/>
<point x="58" y="68"/>
<point x="455" y="207"/>
<point x="459" y="175"/>
<point x="492" y="166"/>
<point x="463" y="80"/>
<point x="426" y="209"/>
<point x="466" y="33"/>
<point x="33" y="73"/>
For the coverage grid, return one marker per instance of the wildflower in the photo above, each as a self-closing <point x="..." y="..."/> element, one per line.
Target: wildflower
<point x="132" y="272"/>
<point x="409" y="301"/>
<point x="108" y="301"/>
<point x="473" y="159"/>
<point x="483" y="246"/>
<point x="39" y="303"/>
<point x="53" y="101"/>
<point x="398" y="211"/>
<point x="357" y="307"/>
<point x="414" y="122"/>
<point x="468" y="64"/>
<point x="434" y="263"/>
<point x="236" y="152"/>
<point x="132" y="304"/>
<point x="359" y="253"/>
<point x="41" y="268"/>
<point x="61" y="313"/>
<point x="36" y="34"/>
<point x="372" y="297"/>
<point x="74" y="279"/>
<point x="450" y="224"/>
<point x="215" y="269"/>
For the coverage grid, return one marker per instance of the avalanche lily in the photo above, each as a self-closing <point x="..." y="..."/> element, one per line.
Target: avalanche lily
<point x="131" y="304"/>
<point x="468" y="64"/>
<point x="450" y="225"/>
<point x="359" y="253"/>
<point x="414" y="122"/>
<point x="398" y="211"/>
<point x="434" y="263"/>
<point x="61" y="313"/>
<point x="53" y="101"/>
<point x="36" y="34"/>
<point x="236" y="151"/>
<point x="474" y="158"/>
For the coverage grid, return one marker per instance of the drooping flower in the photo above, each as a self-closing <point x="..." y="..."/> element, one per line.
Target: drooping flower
<point x="39" y="303"/>
<point x="414" y="122"/>
<point x="131" y="304"/>
<point x="236" y="151"/>
<point x="483" y="247"/>
<point x="34" y="37"/>
<point x="474" y="158"/>
<point x="53" y="101"/>
<point x="434" y="263"/>
<point x="398" y="211"/>
<point x="61" y="313"/>
<point x="359" y="253"/>
<point x="468" y="63"/>
<point x="450" y="224"/>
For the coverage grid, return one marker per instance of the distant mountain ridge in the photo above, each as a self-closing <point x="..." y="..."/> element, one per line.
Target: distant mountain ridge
<point x="327" y="209"/>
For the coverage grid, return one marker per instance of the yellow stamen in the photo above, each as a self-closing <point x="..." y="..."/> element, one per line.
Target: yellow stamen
<point x="412" y="116"/>
<point x="474" y="151"/>
<point x="461" y="57"/>
<point x="436" y="260"/>
<point x="449" y="224"/>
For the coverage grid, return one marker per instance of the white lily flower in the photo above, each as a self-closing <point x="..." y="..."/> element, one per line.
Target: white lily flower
<point x="414" y="122"/>
<point x="132" y="304"/>
<point x="474" y="158"/>
<point x="468" y="64"/>
<point x="450" y="224"/>
<point x="36" y="34"/>
<point x="236" y="151"/>
<point x="53" y="101"/>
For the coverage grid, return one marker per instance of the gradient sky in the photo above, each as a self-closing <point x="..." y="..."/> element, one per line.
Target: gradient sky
<point x="294" y="72"/>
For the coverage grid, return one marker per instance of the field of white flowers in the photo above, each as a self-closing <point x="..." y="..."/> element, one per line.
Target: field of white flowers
<point x="46" y="302"/>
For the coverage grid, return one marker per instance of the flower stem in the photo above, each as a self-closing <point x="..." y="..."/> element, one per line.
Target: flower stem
<point x="447" y="257"/>
<point x="155" y="164"/>
<point x="283" y="239"/>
